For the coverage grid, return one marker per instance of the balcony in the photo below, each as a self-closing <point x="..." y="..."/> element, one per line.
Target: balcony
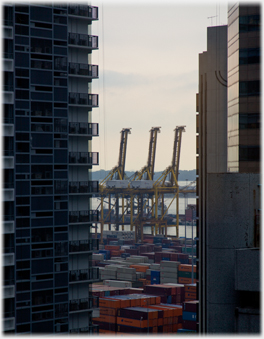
<point x="89" y="274"/>
<point x="8" y="88"/>
<point x="8" y="259"/>
<point x="84" y="304"/>
<point x="8" y="152"/>
<point x="8" y="115"/>
<point x="9" y="324"/>
<point x="61" y="187"/>
<point x="83" y="99"/>
<point x="83" y="158"/>
<point x="8" y="217"/>
<point x="83" y="128"/>
<point x="89" y="329"/>
<point x="80" y="187"/>
<point x="83" y="40"/>
<point x="78" y="246"/>
<point x="87" y="12"/>
<point x="8" y="227"/>
<point x="8" y="194"/>
<point x="9" y="292"/>
<point x="83" y="216"/>
<point x="86" y="70"/>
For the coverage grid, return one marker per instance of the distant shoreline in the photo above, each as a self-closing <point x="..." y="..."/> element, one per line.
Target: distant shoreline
<point x="189" y="175"/>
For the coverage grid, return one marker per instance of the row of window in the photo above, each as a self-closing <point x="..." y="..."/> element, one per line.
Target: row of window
<point x="249" y="88"/>
<point x="249" y="23"/>
<point x="249" y="121"/>
<point x="249" y="56"/>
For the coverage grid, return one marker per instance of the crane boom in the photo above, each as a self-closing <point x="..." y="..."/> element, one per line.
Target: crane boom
<point x="176" y="153"/>
<point x="118" y="172"/>
<point x="122" y="152"/>
<point x="148" y="170"/>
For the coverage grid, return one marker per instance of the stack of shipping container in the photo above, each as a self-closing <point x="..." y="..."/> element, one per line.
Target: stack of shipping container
<point x="146" y="287"/>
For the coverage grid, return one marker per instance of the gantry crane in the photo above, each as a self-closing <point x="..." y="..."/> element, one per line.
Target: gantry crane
<point x="117" y="173"/>
<point x="148" y="170"/>
<point x="146" y="173"/>
<point x="162" y="186"/>
<point x="142" y="185"/>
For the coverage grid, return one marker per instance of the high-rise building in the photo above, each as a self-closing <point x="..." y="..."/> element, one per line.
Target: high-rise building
<point x="211" y="144"/>
<point x="228" y="204"/>
<point x="244" y="88"/>
<point x="47" y="162"/>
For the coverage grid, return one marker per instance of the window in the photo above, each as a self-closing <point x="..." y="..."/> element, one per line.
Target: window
<point x="249" y="56"/>
<point x="249" y="88"/>
<point x="249" y="121"/>
<point x="40" y="14"/>
<point x="249" y="153"/>
<point x="249" y="23"/>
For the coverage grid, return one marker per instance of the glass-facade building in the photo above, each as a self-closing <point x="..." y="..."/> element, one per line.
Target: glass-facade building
<point x="244" y="88"/>
<point x="46" y="162"/>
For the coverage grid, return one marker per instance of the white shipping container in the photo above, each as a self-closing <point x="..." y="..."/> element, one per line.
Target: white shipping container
<point x="164" y="263"/>
<point x="128" y="277"/>
<point x="155" y="267"/>
<point x="98" y="256"/>
<point x="117" y="283"/>
<point x="126" y="270"/>
<point x="117" y="184"/>
<point x="142" y="184"/>
<point x="167" y="280"/>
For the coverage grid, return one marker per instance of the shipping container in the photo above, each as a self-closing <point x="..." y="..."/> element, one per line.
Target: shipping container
<point x="190" y="306"/>
<point x="189" y="316"/>
<point x="187" y="268"/>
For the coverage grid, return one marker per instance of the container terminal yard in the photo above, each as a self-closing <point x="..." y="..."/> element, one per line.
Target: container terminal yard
<point x="147" y="281"/>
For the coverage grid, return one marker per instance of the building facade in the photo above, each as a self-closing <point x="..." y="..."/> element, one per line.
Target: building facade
<point x="47" y="162"/>
<point x="244" y="88"/>
<point x="211" y="141"/>
<point x="228" y="204"/>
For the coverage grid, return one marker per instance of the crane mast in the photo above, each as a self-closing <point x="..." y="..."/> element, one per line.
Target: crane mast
<point x="176" y="153"/>
<point x="118" y="172"/>
<point x="122" y="153"/>
<point x="148" y="170"/>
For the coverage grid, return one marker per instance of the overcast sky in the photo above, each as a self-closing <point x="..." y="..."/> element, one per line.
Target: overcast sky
<point x="148" y="76"/>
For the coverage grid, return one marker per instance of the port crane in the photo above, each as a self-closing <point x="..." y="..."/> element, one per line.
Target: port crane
<point x="138" y="184"/>
<point x="141" y="187"/>
<point x="117" y="173"/>
<point x="147" y="172"/>
<point x="161" y="186"/>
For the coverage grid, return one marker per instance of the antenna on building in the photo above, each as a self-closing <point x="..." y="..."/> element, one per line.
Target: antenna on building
<point x="211" y="17"/>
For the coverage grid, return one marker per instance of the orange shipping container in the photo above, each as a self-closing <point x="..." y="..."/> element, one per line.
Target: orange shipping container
<point x="112" y="247"/>
<point x="114" y="303"/>
<point x="134" y="322"/>
<point x="115" y="252"/>
<point x="106" y="332"/>
<point x="160" y="322"/>
<point x="186" y="268"/>
<point x="106" y="319"/>
<point x="186" y="280"/>
<point x="108" y="311"/>
<point x="166" y="312"/>
<point x="190" y="288"/>
<point x="139" y="268"/>
<point x="190" y="296"/>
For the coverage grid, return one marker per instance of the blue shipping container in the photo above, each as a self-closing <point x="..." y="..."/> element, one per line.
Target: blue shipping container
<point x="154" y="281"/>
<point x="188" y="316"/>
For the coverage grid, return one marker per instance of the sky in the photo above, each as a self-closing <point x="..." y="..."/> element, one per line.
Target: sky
<point x="148" y="77"/>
